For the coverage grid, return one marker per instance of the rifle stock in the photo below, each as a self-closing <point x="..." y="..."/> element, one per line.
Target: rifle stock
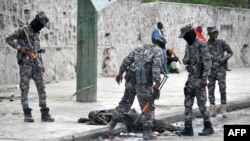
<point x="144" y="111"/>
<point x="30" y="53"/>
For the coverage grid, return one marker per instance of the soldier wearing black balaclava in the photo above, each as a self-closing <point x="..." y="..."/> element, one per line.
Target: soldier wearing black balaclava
<point x="198" y="61"/>
<point x="36" y="24"/>
<point x="26" y="41"/>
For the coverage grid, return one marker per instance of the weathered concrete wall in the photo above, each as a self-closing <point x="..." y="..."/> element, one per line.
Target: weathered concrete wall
<point x="121" y="27"/>
<point x="59" y="39"/>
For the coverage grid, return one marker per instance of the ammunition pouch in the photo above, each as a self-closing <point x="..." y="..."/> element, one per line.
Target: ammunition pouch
<point x="130" y="75"/>
<point x="143" y="75"/>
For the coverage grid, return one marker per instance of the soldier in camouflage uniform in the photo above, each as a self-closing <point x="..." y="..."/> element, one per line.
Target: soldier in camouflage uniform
<point x="143" y="74"/>
<point x="26" y="41"/>
<point x="217" y="48"/>
<point x="198" y="61"/>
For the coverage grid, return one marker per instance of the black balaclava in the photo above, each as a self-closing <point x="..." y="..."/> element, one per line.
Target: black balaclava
<point x="36" y="25"/>
<point x="190" y="36"/>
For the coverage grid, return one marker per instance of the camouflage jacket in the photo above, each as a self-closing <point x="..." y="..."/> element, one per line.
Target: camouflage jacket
<point x="217" y="49"/>
<point x="144" y="55"/>
<point x="198" y="61"/>
<point x="30" y="38"/>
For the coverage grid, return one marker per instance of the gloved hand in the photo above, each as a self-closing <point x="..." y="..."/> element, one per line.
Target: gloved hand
<point x="203" y="82"/>
<point x="119" y="78"/>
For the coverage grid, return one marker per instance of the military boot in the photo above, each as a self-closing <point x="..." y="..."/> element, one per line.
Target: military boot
<point x="213" y="110"/>
<point x="28" y="115"/>
<point x="207" y="130"/>
<point x="45" y="116"/>
<point x="187" y="131"/>
<point x="223" y="109"/>
<point x="112" y="123"/>
<point x="147" y="134"/>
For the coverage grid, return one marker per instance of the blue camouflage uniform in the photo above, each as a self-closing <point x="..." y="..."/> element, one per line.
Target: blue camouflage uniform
<point x="29" y="69"/>
<point x="198" y="64"/>
<point x="194" y="55"/>
<point x="144" y="62"/>
<point x="217" y="50"/>
<point x="26" y="41"/>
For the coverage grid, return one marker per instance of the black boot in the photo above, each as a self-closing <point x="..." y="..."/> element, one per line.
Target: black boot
<point x="112" y="123"/>
<point x="147" y="134"/>
<point x="208" y="129"/>
<point x="187" y="131"/>
<point x="28" y="115"/>
<point x="45" y="116"/>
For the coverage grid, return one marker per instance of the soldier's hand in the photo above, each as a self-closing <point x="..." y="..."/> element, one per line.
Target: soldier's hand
<point x="119" y="78"/>
<point x="23" y="50"/>
<point x="155" y="87"/>
<point x="203" y="82"/>
<point x="220" y="60"/>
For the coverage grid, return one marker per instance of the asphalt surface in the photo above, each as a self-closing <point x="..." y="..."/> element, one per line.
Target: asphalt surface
<point x="66" y="110"/>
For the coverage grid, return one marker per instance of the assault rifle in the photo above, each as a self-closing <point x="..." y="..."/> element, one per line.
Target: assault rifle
<point x="156" y="96"/>
<point x="31" y="54"/>
<point x="177" y="58"/>
<point x="10" y="98"/>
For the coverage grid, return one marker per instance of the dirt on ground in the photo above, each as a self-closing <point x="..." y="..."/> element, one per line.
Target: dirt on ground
<point x="238" y="117"/>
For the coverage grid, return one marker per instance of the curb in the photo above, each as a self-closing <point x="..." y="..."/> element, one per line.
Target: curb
<point x="174" y="117"/>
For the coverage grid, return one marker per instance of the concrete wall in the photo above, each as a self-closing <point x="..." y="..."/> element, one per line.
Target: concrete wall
<point x="121" y="26"/>
<point x="59" y="39"/>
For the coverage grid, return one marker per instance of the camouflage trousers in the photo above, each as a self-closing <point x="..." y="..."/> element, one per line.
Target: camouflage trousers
<point x="222" y="88"/>
<point x="201" y="97"/>
<point x="27" y="72"/>
<point x="144" y="95"/>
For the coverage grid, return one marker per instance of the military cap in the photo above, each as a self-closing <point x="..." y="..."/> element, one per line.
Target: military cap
<point x="41" y="16"/>
<point x="211" y="29"/>
<point x="185" y="30"/>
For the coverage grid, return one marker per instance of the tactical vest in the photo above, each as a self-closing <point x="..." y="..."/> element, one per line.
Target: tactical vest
<point x="143" y="65"/>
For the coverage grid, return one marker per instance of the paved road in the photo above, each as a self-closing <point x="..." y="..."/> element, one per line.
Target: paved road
<point x="66" y="110"/>
<point x="241" y="116"/>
